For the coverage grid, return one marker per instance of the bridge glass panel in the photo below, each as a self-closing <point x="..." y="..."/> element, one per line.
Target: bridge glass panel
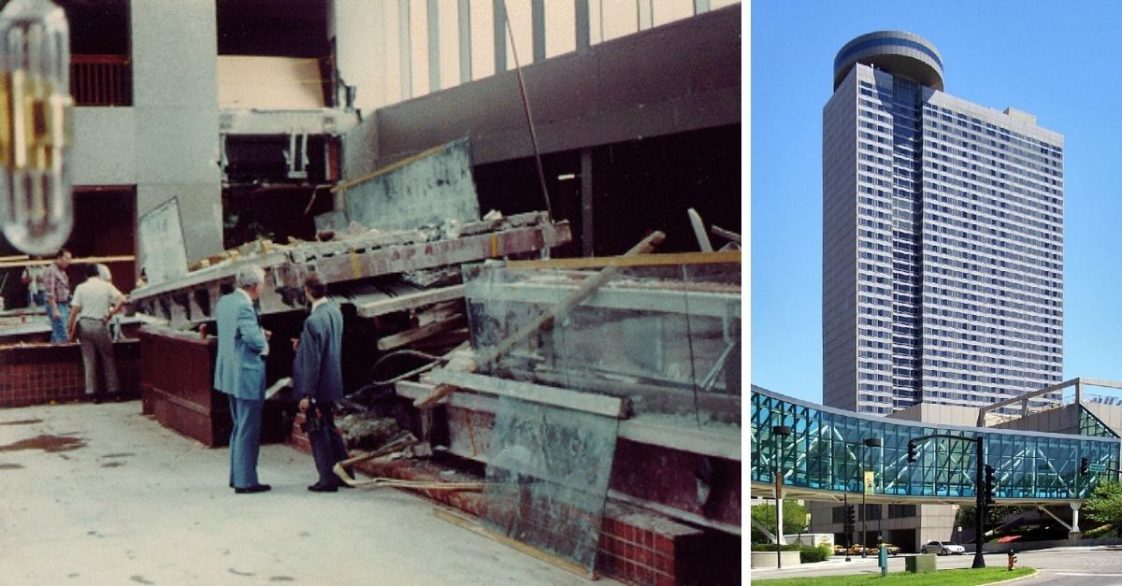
<point x="825" y="452"/>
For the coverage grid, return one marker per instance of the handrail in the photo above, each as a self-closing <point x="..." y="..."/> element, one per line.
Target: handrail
<point x="101" y="80"/>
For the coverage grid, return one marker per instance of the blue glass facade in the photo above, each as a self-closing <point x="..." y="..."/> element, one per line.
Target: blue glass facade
<point x="824" y="452"/>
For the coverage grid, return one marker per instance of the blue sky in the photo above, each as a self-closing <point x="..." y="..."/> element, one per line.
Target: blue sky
<point x="1056" y="60"/>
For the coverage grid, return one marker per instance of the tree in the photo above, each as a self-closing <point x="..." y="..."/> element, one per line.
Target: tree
<point x="794" y="517"/>
<point x="1105" y="504"/>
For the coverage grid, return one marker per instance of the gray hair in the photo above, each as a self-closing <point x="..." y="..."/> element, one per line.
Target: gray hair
<point x="103" y="272"/>
<point x="248" y="276"/>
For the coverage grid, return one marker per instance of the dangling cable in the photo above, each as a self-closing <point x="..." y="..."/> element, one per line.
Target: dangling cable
<point x="529" y="118"/>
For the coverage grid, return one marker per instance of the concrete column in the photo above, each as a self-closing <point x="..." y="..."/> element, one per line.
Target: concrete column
<point x="433" y="21"/>
<point x="584" y="27"/>
<point x="537" y="26"/>
<point x="360" y="51"/>
<point x="500" y="35"/>
<point x="175" y="101"/>
<point x="405" y="48"/>
<point x="463" y="12"/>
<point x="1075" y="532"/>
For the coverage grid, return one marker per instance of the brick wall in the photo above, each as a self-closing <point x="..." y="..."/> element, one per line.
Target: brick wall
<point x="39" y="374"/>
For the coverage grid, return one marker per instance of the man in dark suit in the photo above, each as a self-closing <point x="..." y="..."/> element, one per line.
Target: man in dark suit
<point x="317" y="377"/>
<point x="239" y="371"/>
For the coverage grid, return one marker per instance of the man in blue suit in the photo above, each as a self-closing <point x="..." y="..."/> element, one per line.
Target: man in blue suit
<point x="239" y="371"/>
<point x="317" y="377"/>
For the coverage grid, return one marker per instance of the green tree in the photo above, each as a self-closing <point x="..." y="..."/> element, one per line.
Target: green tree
<point x="794" y="517"/>
<point x="1105" y="504"/>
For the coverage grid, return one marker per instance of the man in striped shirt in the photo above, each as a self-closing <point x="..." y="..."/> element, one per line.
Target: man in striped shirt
<point x="56" y="285"/>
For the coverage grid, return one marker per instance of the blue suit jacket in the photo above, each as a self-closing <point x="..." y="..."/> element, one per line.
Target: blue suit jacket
<point x="317" y="370"/>
<point x="239" y="369"/>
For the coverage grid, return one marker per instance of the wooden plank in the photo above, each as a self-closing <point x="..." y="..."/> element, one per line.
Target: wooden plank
<point x="475" y="527"/>
<point x="410" y="336"/>
<point x="645" y="260"/>
<point x="404" y="302"/>
<point x="555" y="396"/>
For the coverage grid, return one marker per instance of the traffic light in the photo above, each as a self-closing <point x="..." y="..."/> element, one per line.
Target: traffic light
<point x="1084" y="465"/>
<point x="912" y="452"/>
<point x="990" y="485"/>
<point x="850" y="519"/>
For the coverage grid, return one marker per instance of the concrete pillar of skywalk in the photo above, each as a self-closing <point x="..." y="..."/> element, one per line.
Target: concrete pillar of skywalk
<point x="1075" y="533"/>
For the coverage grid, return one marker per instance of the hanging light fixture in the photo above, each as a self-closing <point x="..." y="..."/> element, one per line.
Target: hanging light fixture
<point x="36" y="207"/>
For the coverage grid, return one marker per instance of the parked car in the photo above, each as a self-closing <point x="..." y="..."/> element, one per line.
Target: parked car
<point x="856" y="549"/>
<point x="942" y="548"/>
<point x="839" y="549"/>
<point x="892" y="549"/>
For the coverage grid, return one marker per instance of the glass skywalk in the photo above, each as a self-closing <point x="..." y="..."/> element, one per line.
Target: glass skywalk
<point x="824" y="451"/>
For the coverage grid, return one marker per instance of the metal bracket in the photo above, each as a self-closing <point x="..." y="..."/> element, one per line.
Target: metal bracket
<point x="296" y="155"/>
<point x="1058" y="520"/>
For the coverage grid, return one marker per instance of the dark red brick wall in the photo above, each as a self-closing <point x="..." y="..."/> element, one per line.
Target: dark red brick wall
<point x="41" y="374"/>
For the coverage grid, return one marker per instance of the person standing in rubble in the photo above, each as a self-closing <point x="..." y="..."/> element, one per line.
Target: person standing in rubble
<point x="95" y="302"/>
<point x="317" y="377"/>
<point x="56" y="286"/>
<point x="239" y="371"/>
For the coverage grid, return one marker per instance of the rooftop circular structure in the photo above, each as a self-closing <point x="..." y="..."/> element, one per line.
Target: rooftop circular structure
<point x="898" y="52"/>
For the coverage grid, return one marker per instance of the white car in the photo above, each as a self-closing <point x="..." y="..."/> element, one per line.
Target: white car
<point x="942" y="548"/>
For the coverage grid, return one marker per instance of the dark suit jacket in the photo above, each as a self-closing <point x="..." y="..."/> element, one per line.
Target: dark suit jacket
<point x="239" y="368"/>
<point x="317" y="371"/>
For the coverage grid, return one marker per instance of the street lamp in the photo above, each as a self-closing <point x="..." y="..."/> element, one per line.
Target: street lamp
<point x="779" y="431"/>
<point x="870" y="442"/>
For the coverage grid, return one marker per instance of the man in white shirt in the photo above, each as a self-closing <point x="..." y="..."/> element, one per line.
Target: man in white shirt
<point x="93" y="303"/>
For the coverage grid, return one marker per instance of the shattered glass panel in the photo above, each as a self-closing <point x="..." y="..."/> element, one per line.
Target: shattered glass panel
<point x="666" y="338"/>
<point x="547" y="477"/>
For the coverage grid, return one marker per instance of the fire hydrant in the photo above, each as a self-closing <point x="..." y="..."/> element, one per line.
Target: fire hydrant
<point x="1012" y="559"/>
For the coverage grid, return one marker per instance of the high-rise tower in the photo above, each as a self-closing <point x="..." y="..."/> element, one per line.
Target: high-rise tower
<point x="942" y="273"/>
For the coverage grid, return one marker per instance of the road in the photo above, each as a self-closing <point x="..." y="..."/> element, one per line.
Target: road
<point x="1090" y="566"/>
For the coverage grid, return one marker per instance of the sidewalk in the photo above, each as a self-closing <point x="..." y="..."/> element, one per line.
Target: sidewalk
<point x="99" y="494"/>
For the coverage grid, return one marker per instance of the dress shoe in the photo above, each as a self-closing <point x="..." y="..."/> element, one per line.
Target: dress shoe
<point x="253" y="489"/>
<point x="318" y="487"/>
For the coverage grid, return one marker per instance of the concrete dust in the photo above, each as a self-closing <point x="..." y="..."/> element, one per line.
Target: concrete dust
<point x="168" y="516"/>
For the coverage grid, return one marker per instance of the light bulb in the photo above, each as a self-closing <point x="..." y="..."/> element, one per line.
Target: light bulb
<point x="36" y="208"/>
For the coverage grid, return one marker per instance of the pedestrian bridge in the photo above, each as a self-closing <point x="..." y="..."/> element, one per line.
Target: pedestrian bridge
<point x="825" y="456"/>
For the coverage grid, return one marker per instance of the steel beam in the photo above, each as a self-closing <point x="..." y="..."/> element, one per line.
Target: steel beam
<point x="192" y="299"/>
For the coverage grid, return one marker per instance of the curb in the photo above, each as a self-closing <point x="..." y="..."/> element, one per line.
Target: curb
<point x="1034" y="574"/>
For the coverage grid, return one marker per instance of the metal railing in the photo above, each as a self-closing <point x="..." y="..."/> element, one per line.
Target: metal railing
<point x="101" y="80"/>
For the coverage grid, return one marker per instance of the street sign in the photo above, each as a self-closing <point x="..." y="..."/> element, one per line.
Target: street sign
<point x="869" y="482"/>
<point x="1097" y="468"/>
